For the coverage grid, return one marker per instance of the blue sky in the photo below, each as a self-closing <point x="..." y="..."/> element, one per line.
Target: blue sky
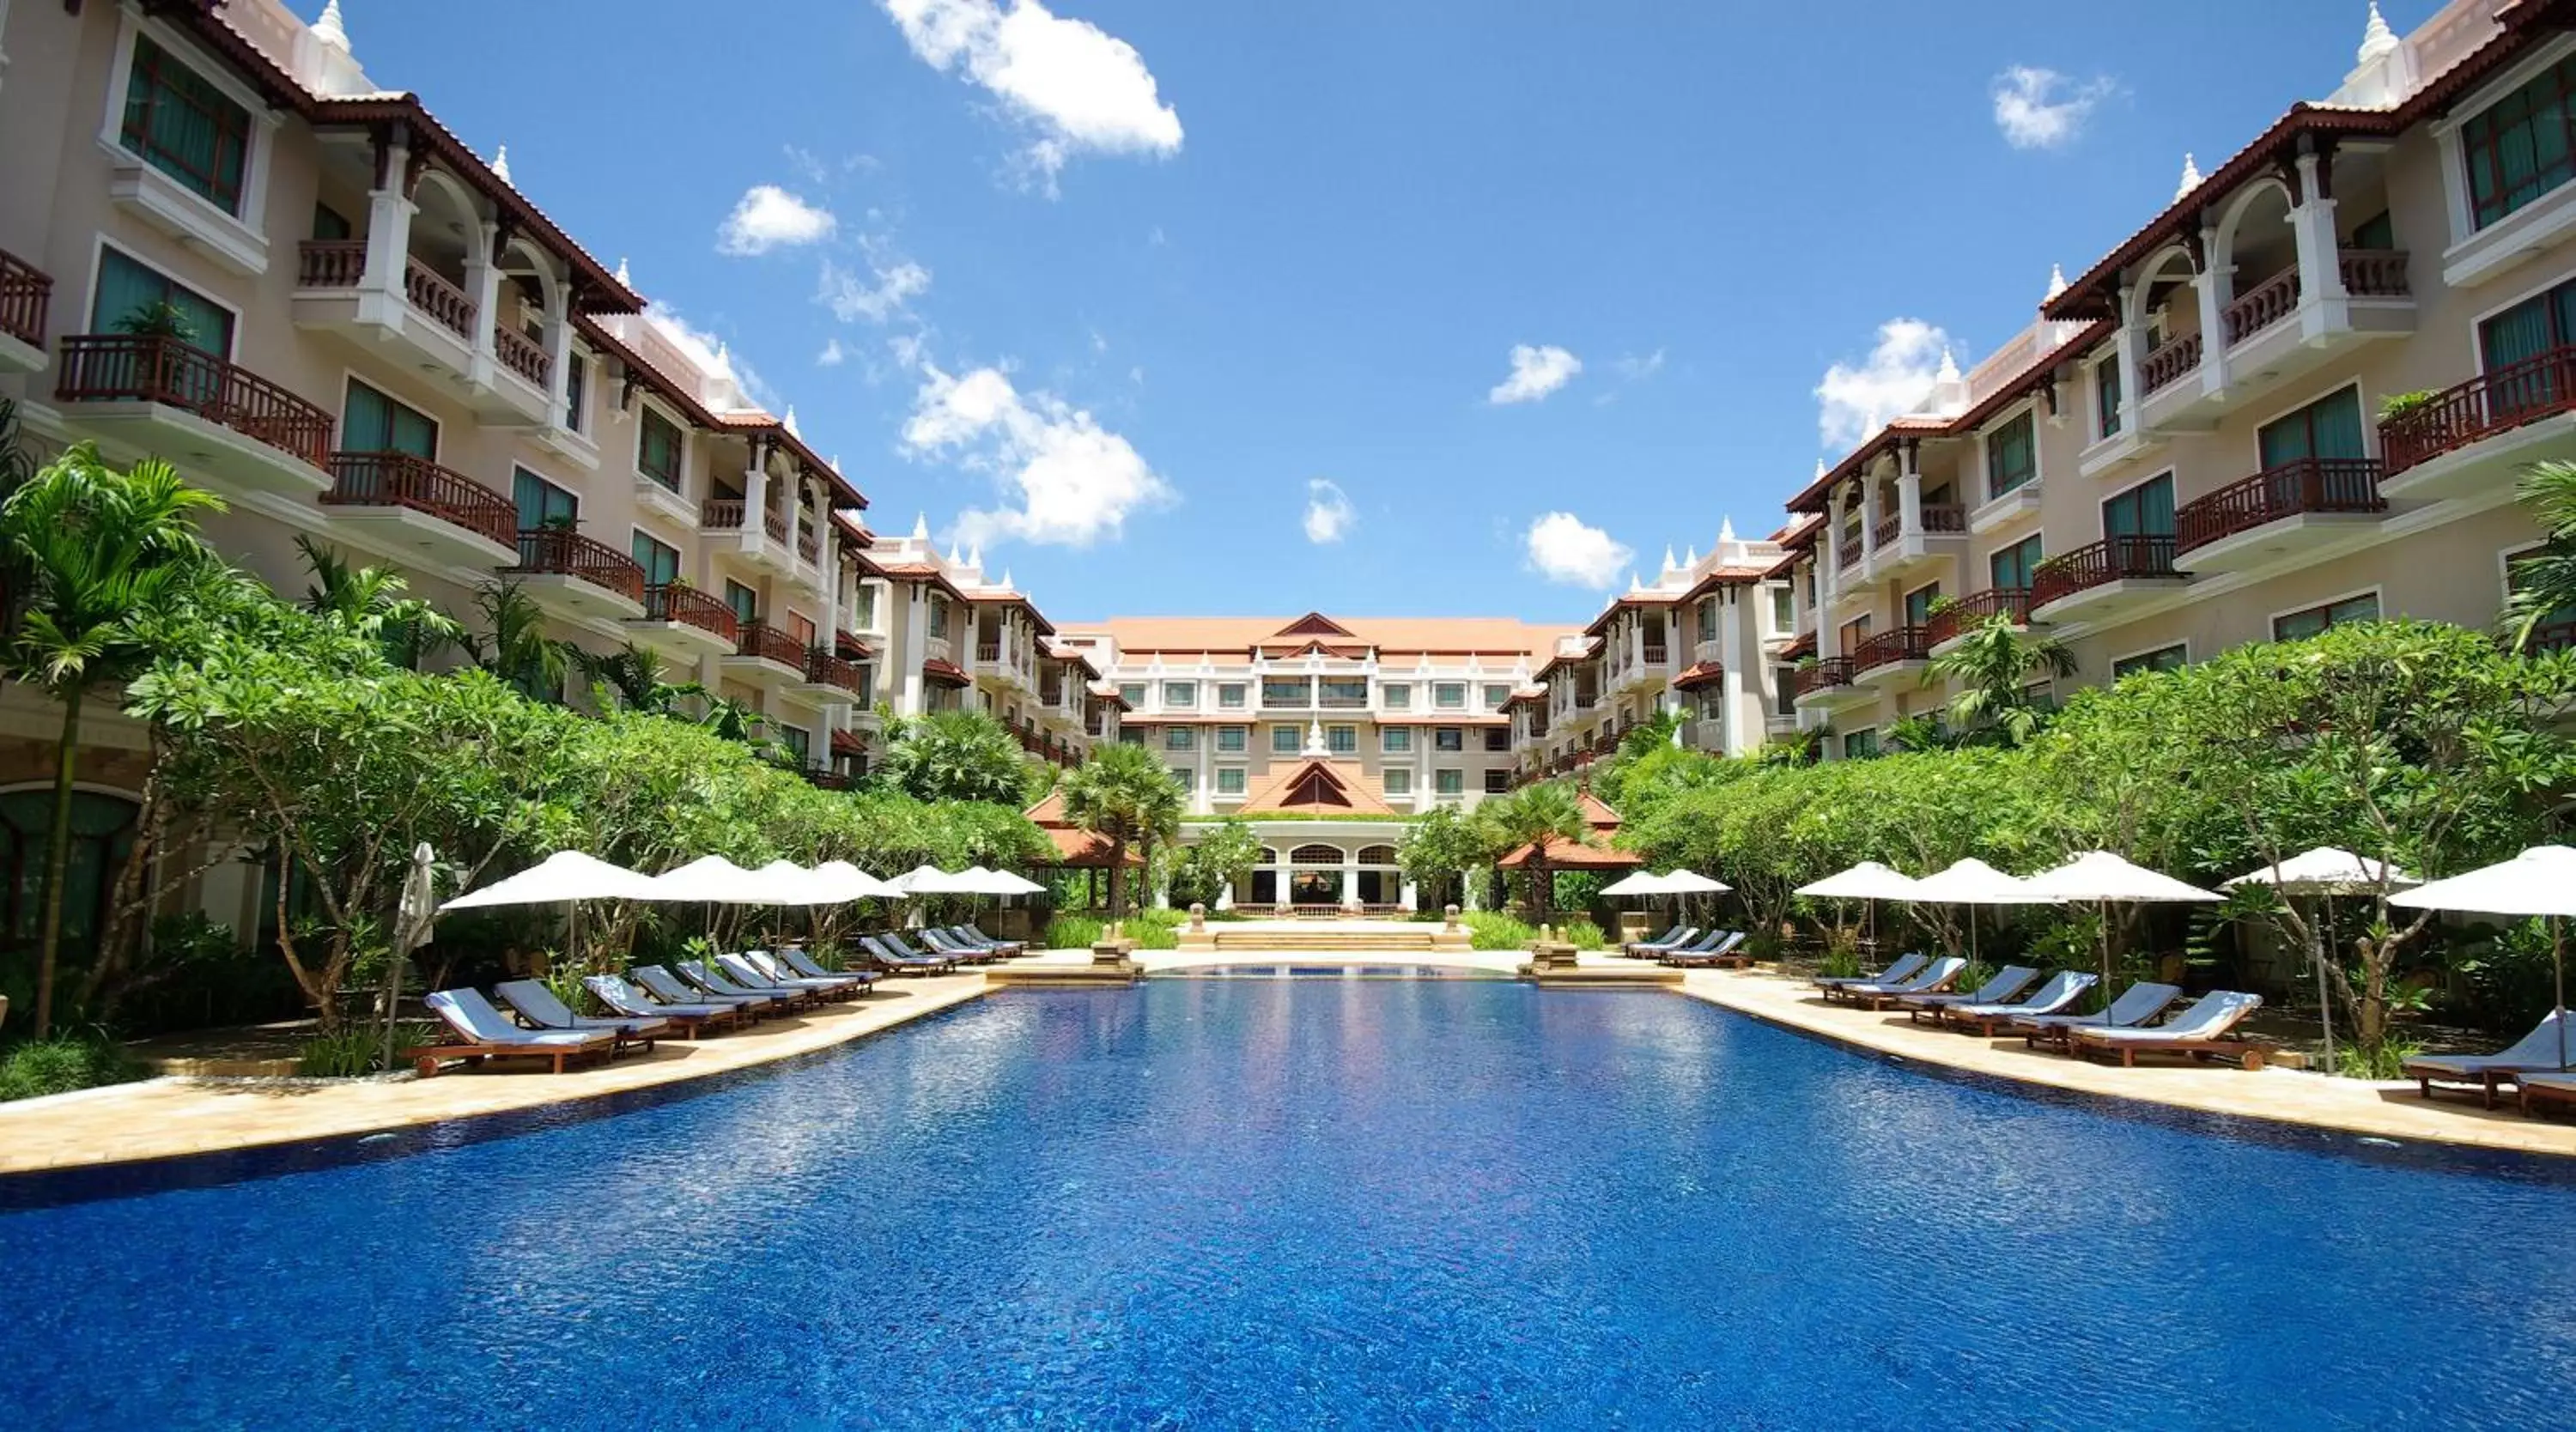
<point x="1112" y="285"/>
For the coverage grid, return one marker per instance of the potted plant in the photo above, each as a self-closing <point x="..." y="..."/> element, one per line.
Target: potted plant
<point x="2397" y="407"/>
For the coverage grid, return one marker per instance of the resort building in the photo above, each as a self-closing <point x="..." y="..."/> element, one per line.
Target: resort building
<point x="2298" y="395"/>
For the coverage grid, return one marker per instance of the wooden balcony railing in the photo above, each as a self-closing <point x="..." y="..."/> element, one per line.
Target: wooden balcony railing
<point x="114" y="367"/>
<point x="1825" y="675"/>
<point x="721" y="514"/>
<point x="1945" y="517"/>
<point x="521" y="355"/>
<point x="1658" y="655"/>
<point x="824" y="778"/>
<point x="560" y="551"/>
<point x="2265" y="304"/>
<point x="809" y="544"/>
<point x="1973" y="611"/>
<point x="399" y="479"/>
<point x="669" y="602"/>
<point x="2290" y="490"/>
<point x="2168" y="363"/>
<point x="2111" y="560"/>
<point x="774" y="522"/>
<point x="1847" y="553"/>
<point x="760" y="639"/>
<point x="2373" y="273"/>
<point x="1905" y="643"/>
<point x="1888" y="531"/>
<point x="25" y="294"/>
<point x="825" y="669"/>
<point x="988" y="651"/>
<point x="2509" y="397"/>
<point x="431" y="293"/>
<point x="330" y="263"/>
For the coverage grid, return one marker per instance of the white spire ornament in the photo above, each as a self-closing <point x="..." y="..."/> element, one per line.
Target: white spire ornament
<point x="2056" y="283"/>
<point x="624" y="279"/>
<point x="501" y="164"/>
<point x="2190" y="178"/>
<point x="1949" y="368"/>
<point x="921" y="528"/>
<point x="331" y="32"/>
<point x="1725" y="530"/>
<point x="2377" y="40"/>
<point x="789" y="422"/>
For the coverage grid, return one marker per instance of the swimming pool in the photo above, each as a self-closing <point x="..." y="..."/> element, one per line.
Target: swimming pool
<point x="1281" y="1203"/>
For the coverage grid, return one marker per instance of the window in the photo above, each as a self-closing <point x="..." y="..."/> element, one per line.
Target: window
<point x="2298" y="626"/>
<point x="1497" y="782"/>
<point x="2555" y="631"/>
<point x="1784" y="608"/>
<point x="801" y="627"/>
<point x="1448" y="738"/>
<point x="2520" y="148"/>
<point x="744" y="601"/>
<point x="1180" y="693"/>
<point x="330" y="225"/>
<point x="657" y="449"/>
<point x="1708" y="620"/>
<point x="1345" y="693"/>
<point x="2378" y="233"/>
<point x="2328" y="428"/>
<point x="1918" y="604"/>
<point x="797" y="740"/>
<point x="179" y="123"/>
<point x="2525" y="331"/>
<point x="102" y="834"/>
<point x="1276" y="691"/>
<point x="1232" y="738"/>
<point x="1395" y="740"/>
<point x="542" y="504"/>
<point x="660" y="560"/>
<point x="1495" y="696"/>
<point x="2106" y="396"/>
<point x="1449" y="695"/>
<point x="1498" y="738"/>
<point x="1855" y="632"/>
<point x="1284" y="741"/>
<point x="126" y="287"/>
<point x="2011" y="458"/>
<point x="1230" y="696"/>
<point x="863" y="607"/>
<point x="1449" y="783"/>
<point x="372" y="422"/>
<point x="1179" y="738"/>
<point x="1860" y="745"/>
<point x="1229" y="781"/>
<point x="1784" y="690"/>
<point x="2168" y="658"/>
<point x="1342" y="740"/>
<point x="1133" y="693"/>
<point x="1399" y="782"/>
<point x="939" y="632"/>
<point x="1131" y="736"/>
<point x="2011" y="567"/>
<point x="576" y="387"/>
<point x="1395" y="698"/>
<point x="2146" y="510"/>
<point x="1185" y="778"/>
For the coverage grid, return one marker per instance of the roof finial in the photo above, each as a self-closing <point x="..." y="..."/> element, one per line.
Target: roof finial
<point x="1668" y="556"/>
<point x="2056" y="283"/>
<point x="975" y="557"/>
<point x="1725" y="530"/>
<point x="921" y="528"/>
<point x="2376" y="38"/>
<point x="1949" y="368"/>
<point x="2190" y="178"/>
<point x="1821" y="469"/>
<point x="789" y="422"/>
<point x="331" y="32"/>
<point x="1690" y="558"/>
<point x="1006" y="579"/>
<point x="624" y="279"/>
<point x="501" y="164"/>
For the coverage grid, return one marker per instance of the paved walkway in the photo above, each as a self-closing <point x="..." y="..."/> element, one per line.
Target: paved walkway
<point x="166" y="1118"/>
<point x="2389" y="1111"/>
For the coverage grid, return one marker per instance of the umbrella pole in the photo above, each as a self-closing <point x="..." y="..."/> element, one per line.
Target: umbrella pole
<point x="2320" y="944"/>
<point x="2558" y="982"/>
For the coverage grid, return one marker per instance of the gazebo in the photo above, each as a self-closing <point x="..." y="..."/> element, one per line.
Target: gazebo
<point x="1079" y="849"/>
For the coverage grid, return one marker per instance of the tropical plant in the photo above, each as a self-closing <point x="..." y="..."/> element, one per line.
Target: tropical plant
<point x="101" y="550"/>
<point x="370" y="602"/>
<point x="1438" y="850"/>
<point x="59" y="1066"/>
<point x="1540" y="817"/>
<point x="2544" y="582"/>
<point x="1995" y="664"/>
<point x="514" y="645"/>
<point x="2396" y="406"/>
<point x="1123" y="795"/>
<point x="1221" y="853"/>
<point x="957" y="756"/>
<point x="158" y="319"/>
<point x="1918" y="733"/>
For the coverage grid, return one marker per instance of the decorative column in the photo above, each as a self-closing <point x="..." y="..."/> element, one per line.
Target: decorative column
<point x="559" y="359"/>
<point x="483" y="285"/>
<point x="389" y="214"/>
<point x="755" y="499"/>
<point x="1909" y="490"/>
<point x="1868" y="518"/>
<point x="2131" y="346"/>
<point x="2325" y="304"/>
<point x="2216" y="289"/>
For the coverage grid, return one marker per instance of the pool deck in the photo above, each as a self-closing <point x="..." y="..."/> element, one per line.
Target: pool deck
<point x="174" y="1117"/>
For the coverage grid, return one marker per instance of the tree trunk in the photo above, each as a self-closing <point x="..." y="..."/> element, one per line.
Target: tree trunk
<point x="2370" y="1021"/>
<point x="58" y="861"/>
<point x="1117" y="878"/>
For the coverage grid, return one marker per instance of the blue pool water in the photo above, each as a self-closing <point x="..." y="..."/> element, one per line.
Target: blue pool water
<point x="1245" y="1203"/>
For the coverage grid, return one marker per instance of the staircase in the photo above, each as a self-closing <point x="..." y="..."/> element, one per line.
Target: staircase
<point x="1324" y="937"/>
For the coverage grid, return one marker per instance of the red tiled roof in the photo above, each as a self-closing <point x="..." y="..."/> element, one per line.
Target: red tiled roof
<point x="1700" y="675"/>
<point x="938" y="670"/>
<point x="1328" y="787"/>
<point x="677" y="393"/>
<point x="1800" y="649"/>
<point x="849" y="743"/>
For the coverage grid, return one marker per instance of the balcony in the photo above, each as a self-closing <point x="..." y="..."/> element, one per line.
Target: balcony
<point x="422" y="509"/>
<point x="428" y="320"/>
<point x="726" y="522"/>
<point x="577" y="575"/>
<point x="1953" y="623"/>
<point x="766" y="656"/>
<point x="2275" y="331"/>
<point x="1904" y="651"/>
<point x="1828" y="684"/>
<point x="2476" y="435"/>
<point x="1941" y="534"/>
<point x="2110" y="578"/>
<point x="684" y="622"/>
<point x="2002" y="511"/>
<point x="2278" y="514"/>
<point x="25" y="296"/>
<point x="212" y="418"/>
<point x="823" y="778"/>
<point x="829" y="678"/>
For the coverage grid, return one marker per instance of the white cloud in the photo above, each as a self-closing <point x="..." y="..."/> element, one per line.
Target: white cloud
<point x="1329" y="514"/>
<point x="771" y="218"/>
<point x="710" y="353"/>
<point x="832" y="355"/>
<point x="1536" y="372"/>
<point x="2042" y="109"/>
<point x="1080" y="87"/>
<point x="876" y="297"/>
<point x="1563" y="549"/>
<point x="1855" y="400"/>
<point x="1065" y="479"/>
<point x="1636" y="369"/>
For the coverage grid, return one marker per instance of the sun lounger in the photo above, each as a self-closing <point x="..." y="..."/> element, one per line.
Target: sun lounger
<point x="538" y="1005"/>
<point x="799" y="962"/>
<point x="893" y="940"/>
<point x="2007" y="984"/>
<point x="776" y="972"/>
<point x="2199" y="1032"/>
<point x="1715" y="956"/>
<point x="1699" y="944"/>
<point x="2534" y="1053"/>
<point x="1935" y="977"/>
<point x="481" y="1032"/>
<point x="2551" y="1090"/>
<point x="2136" y="1005"/>
<point x="906" y="963"/>
<point x="1672" y="939"/>
<point x="940" y="942"/>
<point x="666" y="987"/>
<point x="690" y="1017"/>
<point x="973" y="938"/>
<point x="2063" y="988"/>
<point x="1904" y="968"/>
<point x="725" y="979"/>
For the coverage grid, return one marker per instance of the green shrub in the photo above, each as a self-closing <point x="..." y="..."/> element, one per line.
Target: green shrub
<point x="1493" y="930"/>
<point x="1582" y="934"/>
<point x="59" y="1066"/>
<point x="1072" y="932"/>
<point x="2388" y="1062"/>
<point x="357" y="1051"/>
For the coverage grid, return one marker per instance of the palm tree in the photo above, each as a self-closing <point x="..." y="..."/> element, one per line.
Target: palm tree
<point x="632" y="677"/>
<point x="2544" y="584"/>
<point x="101" y="551"/>
<point x="959" y="756"/>
<point x="370" y="602"/>
<point x="1124" y="795"/>
<point x="1538" y="817"/>
<point x="517" y="649"/>
<point x="1994" y="664"/>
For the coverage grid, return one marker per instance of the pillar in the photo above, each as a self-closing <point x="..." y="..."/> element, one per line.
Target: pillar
<point x="2131" y="346"/>
<point x="1909" y="490"/>
<point x="2216" y="288"/>
<point x="1868" y="517"/>
<point x="2312" y="225"/>
<point x="483" y="285"/>
<point x="389" y="214"/>
<point x="559" y="362"/>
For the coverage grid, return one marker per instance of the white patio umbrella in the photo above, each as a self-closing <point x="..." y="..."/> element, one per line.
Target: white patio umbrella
<point x="2324" y="872"/>
<point x="1011" y="882"/>
<point x="788" y="883"/>
<point x="1973" y="883"/>
<point x="1868" y="882"/>
<point x="1642" y="883"/>
<point x="927" y="880"/>
<point x="2104" y="879"/>
<point x="710" y="880"/>
<point x="564" y="878"/>
<point x="2540" y="882"/>
<point x="1688" y="882"/>
<point x="838" y="882"/>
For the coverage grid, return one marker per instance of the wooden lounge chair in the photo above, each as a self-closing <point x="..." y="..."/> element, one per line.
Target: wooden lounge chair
<point x="799" y="962"/>
<point x="907" y="963"/>
<point x="1936" y="977"/>
<point x="2008" y="983"/>
<point x="481" y="1033"/>
<point x="533" y="1002"/>
<point x="666" y="987"/>
<point x="1904" y="967"/>
<point x="2136" y="1005"/>
<point x="1714" y="956"/>
<point x="723" y="980"/>
<point x="691" y="1019"/>
<point x="2541" y="1092"/>
<point x="2534" y="1053"/>
<point x="2200" y="1032"/>
<point x="2063" y="988"/>
<point x="774" y="964"/>
<point x="1670" y="940"/>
